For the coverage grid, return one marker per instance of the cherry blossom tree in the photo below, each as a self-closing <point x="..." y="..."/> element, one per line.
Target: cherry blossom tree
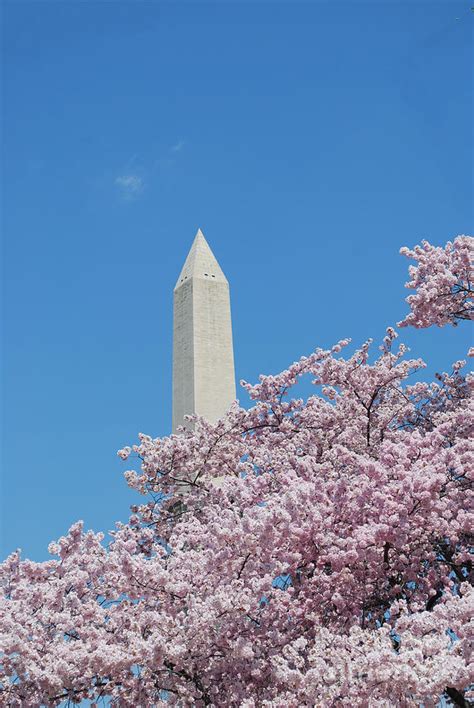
<point x="444" y="283"/>
<point x="299" y="553"/>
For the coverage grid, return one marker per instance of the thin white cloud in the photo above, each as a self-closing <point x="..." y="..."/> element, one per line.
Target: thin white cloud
<point x="130" y="186"/>
<point x="177" y="147"/>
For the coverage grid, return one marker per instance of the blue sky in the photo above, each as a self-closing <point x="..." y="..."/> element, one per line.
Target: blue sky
<point x="308" y="140"/>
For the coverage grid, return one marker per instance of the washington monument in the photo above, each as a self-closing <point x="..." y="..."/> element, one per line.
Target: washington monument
<point x="203" y="356"/>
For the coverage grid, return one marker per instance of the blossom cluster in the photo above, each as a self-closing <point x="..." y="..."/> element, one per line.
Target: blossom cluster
<point x="444" y="283"/>
<point x="298" y="553"/>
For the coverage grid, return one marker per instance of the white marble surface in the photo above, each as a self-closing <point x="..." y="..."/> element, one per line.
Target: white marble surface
<point x="203" y="357"/>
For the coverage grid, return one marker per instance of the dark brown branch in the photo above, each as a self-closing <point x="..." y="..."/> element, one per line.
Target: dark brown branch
<point x="243" y="565"/>
<point x="433" y="600"/>
<point x="457" y="697"/>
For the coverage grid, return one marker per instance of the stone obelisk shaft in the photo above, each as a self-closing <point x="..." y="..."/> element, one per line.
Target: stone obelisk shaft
<point x="203" y="357"/>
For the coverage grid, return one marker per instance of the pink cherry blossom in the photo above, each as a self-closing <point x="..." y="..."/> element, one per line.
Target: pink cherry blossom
<point x="444" y="283"/>
<point x="299" y="553"/>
